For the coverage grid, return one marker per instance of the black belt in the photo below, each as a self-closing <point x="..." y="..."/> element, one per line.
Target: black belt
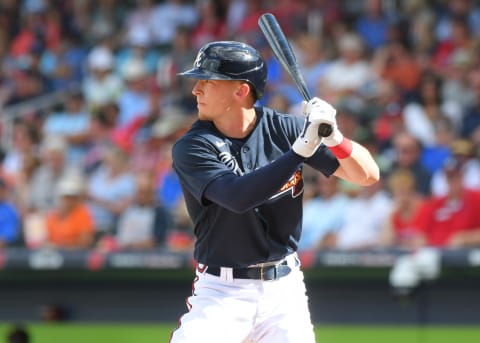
<point x="265" y="273"/>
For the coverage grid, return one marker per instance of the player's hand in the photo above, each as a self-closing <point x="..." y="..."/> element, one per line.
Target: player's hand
<point x="321" y="112"/>
<point x="315" y="111"/>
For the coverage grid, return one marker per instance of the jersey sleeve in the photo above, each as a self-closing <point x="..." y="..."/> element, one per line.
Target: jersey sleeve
<point x="323" y="160"/>
<point x="196" y="164"/>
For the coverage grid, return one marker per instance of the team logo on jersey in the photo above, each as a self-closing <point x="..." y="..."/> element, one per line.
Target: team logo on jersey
<point x="219" y="144"/>
<point x="294" y="185"/>
<point x="230" y="161"/>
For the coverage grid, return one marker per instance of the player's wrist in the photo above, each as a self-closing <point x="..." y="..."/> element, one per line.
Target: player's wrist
<point x="340" y="146"/>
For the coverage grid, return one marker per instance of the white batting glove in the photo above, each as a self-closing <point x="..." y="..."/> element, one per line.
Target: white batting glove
<point x="315" y="112"/>
<point x="321" y="112"/>
<point x="308" y="142"/>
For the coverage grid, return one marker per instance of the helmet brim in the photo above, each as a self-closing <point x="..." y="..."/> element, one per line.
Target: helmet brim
<point x="202" y="74"/>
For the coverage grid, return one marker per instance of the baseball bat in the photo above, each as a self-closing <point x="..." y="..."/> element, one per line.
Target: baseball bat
<point x="283" y="52"/>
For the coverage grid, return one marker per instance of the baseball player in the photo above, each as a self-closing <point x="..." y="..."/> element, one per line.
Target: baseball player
<point x="240" y="167"/>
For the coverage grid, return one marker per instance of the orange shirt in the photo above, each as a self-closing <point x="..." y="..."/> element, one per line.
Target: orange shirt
<point x="66" y="231"/>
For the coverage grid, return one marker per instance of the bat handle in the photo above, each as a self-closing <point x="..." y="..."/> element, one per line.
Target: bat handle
<point x="324" y="130"/>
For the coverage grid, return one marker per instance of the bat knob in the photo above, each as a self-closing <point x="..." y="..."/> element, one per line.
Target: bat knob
<point x="324" y="130"/>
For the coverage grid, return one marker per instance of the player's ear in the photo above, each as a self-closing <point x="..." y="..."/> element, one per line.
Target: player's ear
<point x="243" y="90"/>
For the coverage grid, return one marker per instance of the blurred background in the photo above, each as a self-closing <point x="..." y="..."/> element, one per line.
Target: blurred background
<point x="95" y="242"/>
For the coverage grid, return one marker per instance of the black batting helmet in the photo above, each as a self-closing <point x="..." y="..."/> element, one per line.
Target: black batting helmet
<point x="228" y="60"/>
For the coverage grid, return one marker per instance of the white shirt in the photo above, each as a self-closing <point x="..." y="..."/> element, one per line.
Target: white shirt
<point x="363" y="221"/>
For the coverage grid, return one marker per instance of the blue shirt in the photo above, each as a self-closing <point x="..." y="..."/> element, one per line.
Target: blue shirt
<point x="9" y="223"/>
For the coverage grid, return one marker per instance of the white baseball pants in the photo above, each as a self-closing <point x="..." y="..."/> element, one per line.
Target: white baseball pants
<point x="227" y="310"/>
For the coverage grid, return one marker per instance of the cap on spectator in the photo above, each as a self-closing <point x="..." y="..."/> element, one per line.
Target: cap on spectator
<point x="54" y="143"/>
<point x="70" y="185"/>
<point x="350" y="42"/>
<point x="100" y="58"/>
<point x="167" y="126"/>
<point x="462" y="147"/>
<point x="134" y="69"/>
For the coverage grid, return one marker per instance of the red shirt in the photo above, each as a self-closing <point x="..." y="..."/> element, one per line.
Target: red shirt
<point x="442" y="217"/>
<point x="404" y="227"/>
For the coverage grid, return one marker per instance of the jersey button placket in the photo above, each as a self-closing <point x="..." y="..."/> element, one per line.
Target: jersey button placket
<point x="245" y="150"/>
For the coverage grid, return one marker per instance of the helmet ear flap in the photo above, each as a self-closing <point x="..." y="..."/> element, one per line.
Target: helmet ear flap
<point x="229" y="60"/>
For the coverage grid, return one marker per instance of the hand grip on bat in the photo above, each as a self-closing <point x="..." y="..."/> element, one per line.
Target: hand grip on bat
<point x="324" y="130"/>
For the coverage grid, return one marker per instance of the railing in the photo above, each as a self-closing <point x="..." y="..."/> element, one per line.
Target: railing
<point x="43" y="102"/>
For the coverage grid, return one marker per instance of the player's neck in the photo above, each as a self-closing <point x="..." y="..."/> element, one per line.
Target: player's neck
<point x="237" y="125"/>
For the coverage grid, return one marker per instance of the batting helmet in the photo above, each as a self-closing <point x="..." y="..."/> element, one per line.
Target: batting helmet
<point x="228" y="60"/>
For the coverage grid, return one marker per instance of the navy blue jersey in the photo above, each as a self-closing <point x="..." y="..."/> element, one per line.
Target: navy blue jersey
<point x="267" y="232"/>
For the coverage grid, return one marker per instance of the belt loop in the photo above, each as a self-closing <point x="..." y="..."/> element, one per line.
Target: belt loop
<point x="226" y="274"/>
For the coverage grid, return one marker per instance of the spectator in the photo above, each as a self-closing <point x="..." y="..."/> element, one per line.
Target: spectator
<point x="212" y="25"/>
<point x="149" y="151"/>
<point x="460" y="40"/>
<point x="176" y="90"/>
<point x="395" y="63"/>
<point x="37" y="29"/>
<point x="434" y="156"/>
<point x="9" y="218"/>
<point x="349" y="72"/>
<point x="145" y="223"/>
<point x="168" y="16"/>
<point x="420" y="115"/>
<point x="45" y="178"/>
<point x="329" y="203"/>
<point x="111" y="187"/>
<point x="101" y="85"/>
<point x="463" y="151"/>
<point x="452" y="220"/>
<point x="138" y="46"/>
<point x="467" y="10"/>
<point x="73" y="125"/>
<point x="385" y="111"/>
<point x="63" y="65"/>
<point x="105" y="18"/>
<point x="25" y="142"/>
<point x="134" y="100"/>
<point x="23" y="183"/>
<point x="456" y="74"/>
<point x="363" y="219"/>
<point x="372" y="24"/>
<point x="70" y="224"/>
<point x="140" y="20"/>
<point x="102" y="127"/>
<point x="401" y="226"/>
<point x="407" y="150"/>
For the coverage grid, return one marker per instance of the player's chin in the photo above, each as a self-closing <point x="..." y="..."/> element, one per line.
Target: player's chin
<point x="203" y="115"/>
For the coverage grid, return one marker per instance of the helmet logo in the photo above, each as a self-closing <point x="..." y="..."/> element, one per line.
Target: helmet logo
<point x="198" y="60"/>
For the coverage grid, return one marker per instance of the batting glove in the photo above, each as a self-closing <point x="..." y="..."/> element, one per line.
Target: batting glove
<point x="322" y="112"/>
<point x="316" y="112"/>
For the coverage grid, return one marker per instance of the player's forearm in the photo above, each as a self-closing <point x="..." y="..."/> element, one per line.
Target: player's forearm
<point x="359" y="168"/>
<point x="243" y="193"/>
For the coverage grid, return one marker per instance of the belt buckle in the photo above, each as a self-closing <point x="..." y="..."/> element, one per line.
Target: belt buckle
<point x="275" y="272"/>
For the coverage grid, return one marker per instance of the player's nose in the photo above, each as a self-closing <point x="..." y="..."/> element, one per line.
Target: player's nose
<point x="196" y="88"/>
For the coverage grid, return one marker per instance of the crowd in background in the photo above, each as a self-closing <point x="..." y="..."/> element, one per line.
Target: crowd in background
<point x="95" y="170"/>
